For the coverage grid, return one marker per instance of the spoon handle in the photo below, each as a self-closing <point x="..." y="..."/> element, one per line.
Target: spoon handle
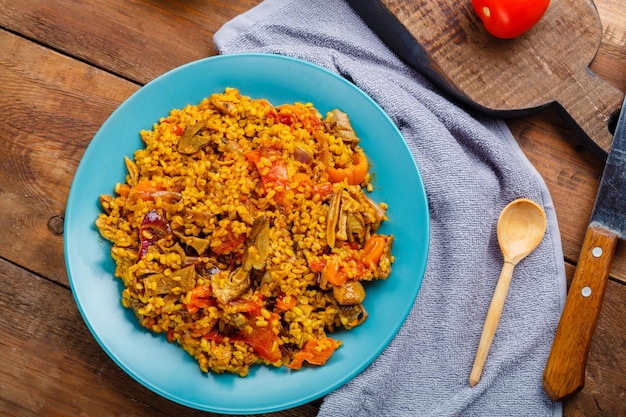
<point x="491" y="321"/>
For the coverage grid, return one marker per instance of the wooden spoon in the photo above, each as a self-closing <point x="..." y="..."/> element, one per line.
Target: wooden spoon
<point x="521" y="227"/>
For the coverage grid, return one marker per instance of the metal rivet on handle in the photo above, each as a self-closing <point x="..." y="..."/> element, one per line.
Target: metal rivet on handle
<point x="597" y="252"/>
<point x="586" y="292"/>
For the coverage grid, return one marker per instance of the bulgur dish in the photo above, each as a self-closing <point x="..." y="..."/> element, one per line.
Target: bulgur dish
<point x="244" y="232"/>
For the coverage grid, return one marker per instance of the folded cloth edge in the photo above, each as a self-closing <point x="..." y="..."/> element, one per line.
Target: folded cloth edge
<point x="246" y="20"/>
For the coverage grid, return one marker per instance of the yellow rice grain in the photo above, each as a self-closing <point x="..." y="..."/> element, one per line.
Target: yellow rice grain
<point x="181" y="228"/>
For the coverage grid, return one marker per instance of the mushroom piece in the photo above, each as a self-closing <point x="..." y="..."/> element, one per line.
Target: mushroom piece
<point x="352" y="316"/>
<point x="227" y="285"/>
<point x="180" y="281"/>
<point x="258" y="244"/>
<point x="223" y="106"/>
<point x="334" y="211"/>
<point x="200" y="245"/>
<point x="133" y="171"/>
<point x="192" y="140"/>
<point x="349" y="293"/>
<point x="339" y="124"/>
<point x="351" y="217"/>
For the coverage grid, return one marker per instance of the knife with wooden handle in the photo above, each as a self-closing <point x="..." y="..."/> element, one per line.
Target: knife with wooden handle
<point x="564" y="374"/>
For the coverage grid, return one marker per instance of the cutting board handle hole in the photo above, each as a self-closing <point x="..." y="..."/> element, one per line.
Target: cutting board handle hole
<point x="613" y="122"/>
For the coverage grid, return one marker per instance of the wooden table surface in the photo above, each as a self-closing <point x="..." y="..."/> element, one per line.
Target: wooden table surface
<point x="65" y="65"/>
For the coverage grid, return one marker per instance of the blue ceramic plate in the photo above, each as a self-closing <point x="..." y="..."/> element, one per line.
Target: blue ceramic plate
<point x="167" y="369"/>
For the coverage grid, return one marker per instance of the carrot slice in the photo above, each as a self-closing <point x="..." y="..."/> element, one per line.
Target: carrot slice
<point x="354" y="174"/>
<point x="285" y="302"/>
<point x="373" y="250"/>
<point x="334" y="274"/>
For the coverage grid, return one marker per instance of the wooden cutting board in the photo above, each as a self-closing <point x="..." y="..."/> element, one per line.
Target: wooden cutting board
<point x="446" y="41"/>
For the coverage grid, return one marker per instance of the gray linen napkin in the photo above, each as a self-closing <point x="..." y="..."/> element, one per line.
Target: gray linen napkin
<point x="471" y="167"/>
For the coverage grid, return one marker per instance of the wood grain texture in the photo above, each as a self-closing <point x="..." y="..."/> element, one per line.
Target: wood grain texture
<point x="56" y="105"/>
<point x="609" y="62"/>
<point x="566" y="167"/>
<point x="136" y="39"/>
<point x="491" y="322"/>
<point x="547" y="65"/>
<point x="605" y="384"/>
<point x="564" y="375"/>
<point x="52" y="366"/>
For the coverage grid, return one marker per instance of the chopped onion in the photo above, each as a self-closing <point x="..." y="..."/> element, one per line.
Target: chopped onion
<point x="302" y="154"/>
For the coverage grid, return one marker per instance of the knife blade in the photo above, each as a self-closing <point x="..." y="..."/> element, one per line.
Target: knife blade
<point x="564" y="374"/>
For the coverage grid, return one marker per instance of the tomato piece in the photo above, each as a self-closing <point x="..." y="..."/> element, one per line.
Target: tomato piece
<point x="253" y="156"/>
<point x="277" y="174"/>
<point x="273" y="177"/>
<point x="195" y="305"/>
<point x="338" y="271"/>
<point x="170" y="335"/>
<point x="262" y="339"/>
<point x="315" y="352"/>
<point x="299" y="179"/>
<point x="285" y="302"/>
<point x="324" y="190"/>
<point x="203" y="291"/>
<point x="214" y="335"/>
<point x="200" y="299"/>
<point x="264" y="342"/>
<point x="317" y="265"/>
<point x="286" y="119"/>
<point x="508" y="19"/>
<point x="289" y="114"/>
<point x="229" y="243"/>
<point x="177" y="130"/>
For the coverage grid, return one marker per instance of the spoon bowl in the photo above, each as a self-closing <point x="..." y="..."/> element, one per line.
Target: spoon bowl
<point x="521" y="227"/>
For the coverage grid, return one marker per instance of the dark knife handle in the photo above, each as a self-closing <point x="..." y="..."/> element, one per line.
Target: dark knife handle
<point x="564" y="375"/>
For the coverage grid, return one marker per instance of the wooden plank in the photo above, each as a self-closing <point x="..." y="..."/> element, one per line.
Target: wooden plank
<point x="27" y="16"/>
<point x="610" y="61"/>
<point x="42" y="145"/>
<point x="109" y="34"/>
<point x="446" y="41"/>
<point x="605" y="385"/>
<point x="177" y="32"/>
<point x="568" y="168"/>
<point x="33" y="186"/>
<point x="52" y="366"/>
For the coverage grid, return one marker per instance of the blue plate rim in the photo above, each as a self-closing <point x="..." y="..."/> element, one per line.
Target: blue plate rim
<point x="73" y="202"/>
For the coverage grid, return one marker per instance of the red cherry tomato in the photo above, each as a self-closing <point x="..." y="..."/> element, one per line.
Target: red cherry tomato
<point x="509" y="18"/>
